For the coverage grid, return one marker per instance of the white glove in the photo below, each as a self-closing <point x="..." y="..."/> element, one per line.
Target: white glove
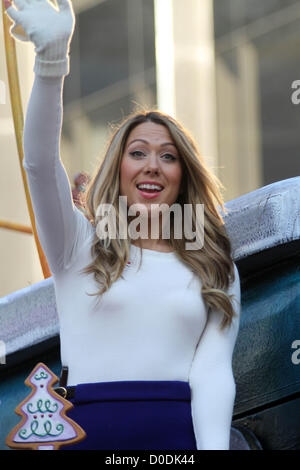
<point x="49" y="29"/>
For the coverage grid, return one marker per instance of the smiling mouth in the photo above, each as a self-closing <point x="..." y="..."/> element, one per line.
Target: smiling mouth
<point x="150" y="191"/>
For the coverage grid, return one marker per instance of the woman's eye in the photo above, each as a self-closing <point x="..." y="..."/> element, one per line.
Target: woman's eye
<point x="136" y="152"/>
<point x="169" y="155"/>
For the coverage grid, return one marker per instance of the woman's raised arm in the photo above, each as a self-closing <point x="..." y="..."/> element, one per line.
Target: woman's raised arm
<point x="60" y="225"/>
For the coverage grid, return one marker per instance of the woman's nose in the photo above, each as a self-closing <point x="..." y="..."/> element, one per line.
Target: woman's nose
<point x="152" y="162"/>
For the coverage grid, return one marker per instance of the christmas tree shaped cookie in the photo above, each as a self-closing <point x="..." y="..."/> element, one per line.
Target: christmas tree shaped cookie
<point x="45" y="425"/>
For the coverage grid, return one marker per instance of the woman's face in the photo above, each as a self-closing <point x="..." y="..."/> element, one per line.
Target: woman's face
<point x="150" y="156"/>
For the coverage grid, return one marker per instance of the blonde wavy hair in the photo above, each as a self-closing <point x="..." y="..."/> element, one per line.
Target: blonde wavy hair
<point x="212" y="263"/>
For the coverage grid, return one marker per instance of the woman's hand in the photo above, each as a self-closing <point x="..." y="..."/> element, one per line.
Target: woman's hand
<point x="40" y="22"/>
<point x="49" y="29"/>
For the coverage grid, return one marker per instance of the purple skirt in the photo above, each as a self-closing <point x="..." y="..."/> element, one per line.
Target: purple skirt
<point x="134" y="415"/>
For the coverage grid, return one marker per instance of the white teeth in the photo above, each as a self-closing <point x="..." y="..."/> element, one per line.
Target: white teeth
<point x="149" y="186"/>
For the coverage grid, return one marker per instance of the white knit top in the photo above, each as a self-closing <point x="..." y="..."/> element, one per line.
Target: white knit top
<point x="152" y="323"/>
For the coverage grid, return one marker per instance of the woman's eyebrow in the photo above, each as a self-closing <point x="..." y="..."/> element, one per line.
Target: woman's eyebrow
<point x="146" y="142"/>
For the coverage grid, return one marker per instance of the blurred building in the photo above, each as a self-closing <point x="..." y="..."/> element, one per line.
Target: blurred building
<point x="112" y="71"/>
<point x="257" y="65"/>
<point x="223" y="68"/>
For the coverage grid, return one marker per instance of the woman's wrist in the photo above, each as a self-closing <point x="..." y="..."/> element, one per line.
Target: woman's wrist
<point x="51" y="68"/>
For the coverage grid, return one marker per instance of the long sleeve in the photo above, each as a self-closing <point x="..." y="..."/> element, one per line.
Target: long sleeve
<point x="211" y="378"/>
<point x="61" y="227"/>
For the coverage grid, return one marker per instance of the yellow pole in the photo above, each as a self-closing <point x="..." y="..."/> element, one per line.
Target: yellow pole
<point x="17" y="112"/>
<point x="16" y="227"/>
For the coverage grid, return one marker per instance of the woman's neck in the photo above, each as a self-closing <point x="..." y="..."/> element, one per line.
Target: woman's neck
<point x="156" y="245"/>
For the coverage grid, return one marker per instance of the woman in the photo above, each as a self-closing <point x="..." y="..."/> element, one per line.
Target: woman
<point x="147" y="326"/>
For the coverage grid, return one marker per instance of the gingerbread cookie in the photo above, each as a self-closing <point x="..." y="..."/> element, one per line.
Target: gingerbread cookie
<point x="44" y="424"/>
